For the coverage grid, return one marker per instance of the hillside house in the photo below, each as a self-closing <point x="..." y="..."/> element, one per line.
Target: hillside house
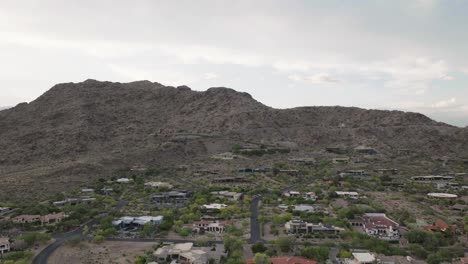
<point x="301" y="227"/>
<point x="289" y="172"/>
<point x="123" y="180"/>
<point x="387" y="172"/>
<point x="4" y="245"/>
<point x="218" y="227"/>
<point x="26" y="219"/>
<point x="432" y="179"/>
<point x="5" y="210"/>
<point x="87" y="190"/>
<point x="351" y="195"/>
<point x="438" y="226"/>
<point x="302" y="161"/>
<point x="74" y="201"/>
<point x="306" y="195"/>
<point x="138" y="221"/>
<point x="361" y="258"/>
<point x="159" y="185"/>
<point x="182" y="253"/>
<point x="44" y="219"/>
<point x="214" y="207"/>
<point x="354" y="173"/>
<point x="232" y="196"/>
<point x="344" y="160"/>
<point x="238" y="179"/>
<point x="172" y="198"/>
<point x="365" y="150"/>
<point x="377" y="225"/>
<point x="336" y="150"/>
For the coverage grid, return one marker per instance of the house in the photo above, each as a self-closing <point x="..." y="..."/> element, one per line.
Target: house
<point x="232" y="196"/>
<point x="289" y="172"/>
<point x="181" y="253"/>
<point x="336" y="150"/>
<point x="213" y="207"/>
<point x="351" y="195"/>
<point x="209" y="226"/>
<point x="74" y="201"/>
<point x="224" y="156"/>
<point x="304" y="208"/>
<point x="432" y="178"/>
<point x="361" y="258"/>
<point x="5" y="210"/>
<point x="52" y="218"/>
<point x="365" y="150"/>
<point x="377" y="225"/>
<point x="439" y="225"/>
<point x="459" y="207"/>
<point x="387" y="172"/>
<point x="354" y="173"/>
<point x="107" y="190"/>
<point x="295" y="194"/>
<point x="301" y="227"/>
<point x="123" y="180"/>
<point x="87" y="190"/>
<point x="286" y="260"/>
<point x="238" y="179"/>
<point x="26" y="219"/>
<point x="463" y="260"/>
<point x="158" y="185"/>
<point x="4" y="245"/>
<point x="138" y="221"/>
<point x="45" y="219"/>
<point x="442" y="195"/>
<point x="172" y="198"/>
<point x="344" y="160"/>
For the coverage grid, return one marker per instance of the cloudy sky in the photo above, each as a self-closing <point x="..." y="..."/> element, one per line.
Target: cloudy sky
<point x="410" y="55"/>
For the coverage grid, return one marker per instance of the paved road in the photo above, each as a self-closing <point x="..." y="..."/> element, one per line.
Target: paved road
<point x="332" y="255"/>
<point x="42" y="257"/>
<point x="254" y="224"/>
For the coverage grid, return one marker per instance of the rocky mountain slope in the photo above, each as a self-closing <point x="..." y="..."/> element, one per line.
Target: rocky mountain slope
<point x="77" y="131"/>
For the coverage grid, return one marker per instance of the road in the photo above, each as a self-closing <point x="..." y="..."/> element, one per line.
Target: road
<point x="254" y="224"/>
<point x="332" y="255"/>
<point x="42" y="257"/>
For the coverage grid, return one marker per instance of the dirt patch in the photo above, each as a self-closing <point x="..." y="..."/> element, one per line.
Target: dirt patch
<point x="107" y="252"/>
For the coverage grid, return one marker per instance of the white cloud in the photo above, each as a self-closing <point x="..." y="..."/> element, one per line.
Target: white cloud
<point x="444" y="103"/>
<point x="211" y="76"/>
<point x="316" y="78"/>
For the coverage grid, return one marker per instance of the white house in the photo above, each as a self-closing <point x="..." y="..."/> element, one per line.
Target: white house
<point x="4" y="245"/>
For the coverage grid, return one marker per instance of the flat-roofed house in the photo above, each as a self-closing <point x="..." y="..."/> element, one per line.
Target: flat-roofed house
<point x="301" y="227"/>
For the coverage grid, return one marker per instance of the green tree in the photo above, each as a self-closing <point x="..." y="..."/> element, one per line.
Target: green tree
<point x="285" y="244"/>
<point x="258" y="248"/>
<point x="261" y="258"/>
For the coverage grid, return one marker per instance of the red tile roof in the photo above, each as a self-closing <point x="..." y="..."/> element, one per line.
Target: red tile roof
<point x="286" y="260"/>
<point x="438" y="226"/>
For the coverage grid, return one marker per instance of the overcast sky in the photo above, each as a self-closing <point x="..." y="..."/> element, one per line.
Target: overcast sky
<point x="410" y="55"/>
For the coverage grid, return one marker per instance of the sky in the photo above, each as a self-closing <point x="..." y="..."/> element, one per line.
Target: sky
<point x="409" y="55"/>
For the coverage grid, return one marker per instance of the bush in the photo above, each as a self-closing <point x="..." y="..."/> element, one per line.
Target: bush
<point x="98" y="239"/>
<point x="258" y="248"/>
<point x="33" y="238"/>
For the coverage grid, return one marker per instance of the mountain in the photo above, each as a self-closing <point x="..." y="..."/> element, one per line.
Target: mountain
<point x="76" y="132"/>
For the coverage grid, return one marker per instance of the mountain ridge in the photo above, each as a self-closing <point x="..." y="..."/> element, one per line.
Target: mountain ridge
<point x="106" y="125"/>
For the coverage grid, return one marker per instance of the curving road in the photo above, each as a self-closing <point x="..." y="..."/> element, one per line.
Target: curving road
<point x="44" y="255"/>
